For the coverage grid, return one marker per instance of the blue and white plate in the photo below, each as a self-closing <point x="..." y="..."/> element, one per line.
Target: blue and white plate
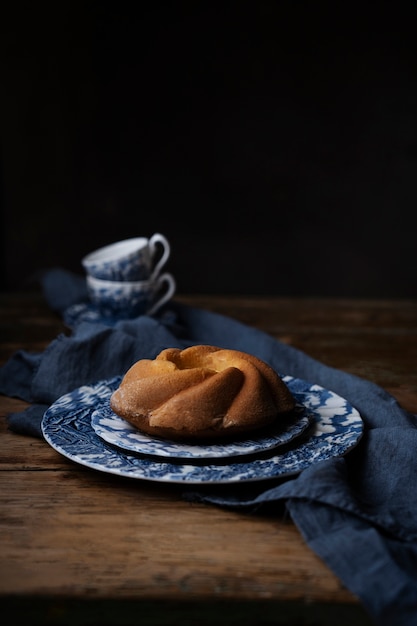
<point x="118" y="432"/>
<point x="336" y="429"/>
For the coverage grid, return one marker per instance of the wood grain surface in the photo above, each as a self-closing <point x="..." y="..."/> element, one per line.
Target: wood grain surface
<point x="81" y="547"/>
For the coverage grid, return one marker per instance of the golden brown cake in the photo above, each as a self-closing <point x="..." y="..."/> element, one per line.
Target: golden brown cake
<point x="201" y="392"/>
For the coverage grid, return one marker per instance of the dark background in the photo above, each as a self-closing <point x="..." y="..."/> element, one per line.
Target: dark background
<point x="273" y="143"/>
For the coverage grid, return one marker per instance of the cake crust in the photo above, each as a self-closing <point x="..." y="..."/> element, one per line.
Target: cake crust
<point x="201" y="392"/>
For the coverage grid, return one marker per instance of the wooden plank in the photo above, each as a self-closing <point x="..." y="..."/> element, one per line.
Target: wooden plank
<point x="71" y="536"/>
<point x="85" y="533"/>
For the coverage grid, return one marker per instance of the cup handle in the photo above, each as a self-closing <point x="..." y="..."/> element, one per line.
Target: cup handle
<point x="163" y="278"/>
<point x="156" y="239"/>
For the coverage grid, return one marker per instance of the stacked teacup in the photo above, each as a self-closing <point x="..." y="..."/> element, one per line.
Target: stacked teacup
<point x="124" y="279"/>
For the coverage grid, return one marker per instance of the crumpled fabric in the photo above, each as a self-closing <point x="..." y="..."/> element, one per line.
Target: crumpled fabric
<point x="358" y="512"/>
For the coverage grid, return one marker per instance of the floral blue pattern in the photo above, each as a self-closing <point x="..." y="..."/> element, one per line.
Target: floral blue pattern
<point x="134" y="266"/>
<point x="117" y="431"/>
<point x="336" y="428"/>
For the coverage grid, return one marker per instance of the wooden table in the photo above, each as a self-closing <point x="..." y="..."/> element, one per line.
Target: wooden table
<point x="83" y="547"/>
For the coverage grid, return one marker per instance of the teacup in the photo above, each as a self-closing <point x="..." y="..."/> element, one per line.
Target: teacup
<point x="128" y="299"/>
<point x="128" y="260"/>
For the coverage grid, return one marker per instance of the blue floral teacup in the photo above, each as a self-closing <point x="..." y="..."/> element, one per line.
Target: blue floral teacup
<point x="128" y="299"/>
<point x="134" y="259"/>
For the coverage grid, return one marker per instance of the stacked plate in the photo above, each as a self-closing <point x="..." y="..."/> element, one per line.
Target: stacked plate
<point x="81" y="426"/>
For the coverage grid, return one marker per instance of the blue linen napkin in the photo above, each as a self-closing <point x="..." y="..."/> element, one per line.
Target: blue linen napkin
<point x="358" y="513"/>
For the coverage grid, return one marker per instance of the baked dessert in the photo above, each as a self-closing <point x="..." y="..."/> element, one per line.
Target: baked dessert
<point x="201" y="392"/>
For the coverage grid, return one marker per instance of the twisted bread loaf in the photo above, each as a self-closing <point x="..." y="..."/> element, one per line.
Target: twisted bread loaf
<point x="201" y="392"/>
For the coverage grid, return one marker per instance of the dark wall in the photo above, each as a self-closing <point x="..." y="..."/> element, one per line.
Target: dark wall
<point x="274" y="143"/>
